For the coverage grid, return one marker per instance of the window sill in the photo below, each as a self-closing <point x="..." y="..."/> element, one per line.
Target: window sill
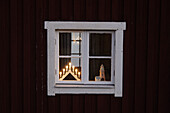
<point x="84" y="86"/>
<point x="84" y="89"/>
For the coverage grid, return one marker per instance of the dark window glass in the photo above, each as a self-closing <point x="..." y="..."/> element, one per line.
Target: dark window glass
<point x="99" y="69"/>
<point x="70" y="44"/>
<point x="100" y="44"/>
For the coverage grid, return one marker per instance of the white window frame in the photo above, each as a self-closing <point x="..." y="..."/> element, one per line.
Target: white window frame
<point x="52" y="32"/>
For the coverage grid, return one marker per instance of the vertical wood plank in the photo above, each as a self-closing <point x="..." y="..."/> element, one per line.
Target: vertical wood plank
<point x="117" y="10"/>
<point x="67" y="10"/>
<point x="16" y="57"/>
<point x="164" y="62"/>
<point x="103" y="104"/>
<point x="5" y="57"/>
<point x="52" y="107"/>
<point x="78" y="103"/>
<point x="26" y="66"/>
<point x="141" y="56"/>
<point x="90" y="104"/>
<point x="116" y="104"/>
<point x="41" y="56"/>
<point x="54" y="14"/>
<point x="29" y="57"/>
<point x="91" y="10"/>
<point x="104" y="10"/>
<point x="153" y="56"/>
<point x="129" y="57"/>
<point x="66" y="104"/>
<point x="54" y="10"/>
<point x="33" y="56"/>
<point x="79" y="10"/>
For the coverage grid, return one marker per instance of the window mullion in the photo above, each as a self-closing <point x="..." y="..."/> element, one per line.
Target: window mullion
<point x="84" y="57"/>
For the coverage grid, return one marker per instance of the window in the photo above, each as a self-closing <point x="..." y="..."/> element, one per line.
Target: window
<point x="85" y="57"/>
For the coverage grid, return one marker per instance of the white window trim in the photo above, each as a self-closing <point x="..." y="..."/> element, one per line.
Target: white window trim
<point x="53" y="89"/>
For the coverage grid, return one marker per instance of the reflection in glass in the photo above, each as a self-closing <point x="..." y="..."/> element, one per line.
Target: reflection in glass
<point x="100" y="44"/>
<point x="70" y="69"/>
<point x="70" y="44"/>
<point x="99" y="69"/>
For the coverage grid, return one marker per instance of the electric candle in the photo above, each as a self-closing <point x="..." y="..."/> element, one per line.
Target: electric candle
<point x="60" y="74"/>
<point x="66" y="68"/>
<point x="79" y="74"/>
<point x="76" y="71"/>
<point x="70" y="66"/>
<point x="63" y="71"/>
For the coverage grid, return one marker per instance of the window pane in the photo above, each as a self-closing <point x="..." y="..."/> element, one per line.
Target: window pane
<point x="70" y="44"/>
<point x="100" y="44"/>
<point x="70" y="69"/>
<point x="99" y="69"/>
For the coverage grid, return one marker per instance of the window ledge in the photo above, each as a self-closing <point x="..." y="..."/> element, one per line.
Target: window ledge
<point x="84" y="86"/>
<point x="82" y="89"/>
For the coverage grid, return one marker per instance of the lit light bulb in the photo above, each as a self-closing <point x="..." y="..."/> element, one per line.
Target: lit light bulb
<point x="60" y="74"/>
<point x="76" y="71"/>
<point x="79" y="74"/>
<point x="66" y="68"/>
<point x="70" y="66"/>
<point x="63" y="71"/>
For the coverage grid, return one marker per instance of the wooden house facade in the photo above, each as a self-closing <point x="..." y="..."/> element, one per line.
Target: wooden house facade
<point x="23" y="57"/>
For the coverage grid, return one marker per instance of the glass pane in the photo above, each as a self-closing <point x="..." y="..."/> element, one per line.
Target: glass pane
<point x="99" y="69"/>
<point x="70" y="69"/>
<point x="100" y="44"/>
<point x="70" y="44"/>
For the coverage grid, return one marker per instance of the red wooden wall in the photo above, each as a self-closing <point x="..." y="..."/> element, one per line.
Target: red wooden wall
<point x="23" y="54"/>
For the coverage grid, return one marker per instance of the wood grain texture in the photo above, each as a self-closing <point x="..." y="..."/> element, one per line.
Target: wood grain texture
<point x="116" y="104"/>
<point x="90" y="104"/>
<point x="153" y="57"/>
<point x="91" y="10"/>
<point x="103" y="104"/>
<point x="141" y="56"/>
<point x="79" y="10"/>
<point x="54" y="10"/>
<point x="164" y="62"/>
<point x="104" y="10"/>
<point x="16" y="57"/>
<point x="41" y="56"/>
<point x="129" y="57"/>
<point x="78" y="104"/>
<point x="118" y="10"/>
<point x="27" y="34"/>
<point x="5" y="103"/>
<point x="67" y="10"/>
<point x="66" y="104"/>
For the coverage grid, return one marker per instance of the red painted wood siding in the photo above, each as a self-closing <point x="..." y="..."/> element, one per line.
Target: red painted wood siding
<point x="23" y="54"/>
